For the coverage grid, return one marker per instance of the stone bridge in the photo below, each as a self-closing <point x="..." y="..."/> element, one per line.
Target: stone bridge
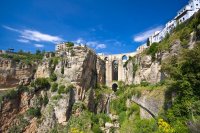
<point x="115" y="70"/>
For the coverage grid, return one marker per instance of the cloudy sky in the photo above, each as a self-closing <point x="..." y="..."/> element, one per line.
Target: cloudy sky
<point x="108" y="26"/>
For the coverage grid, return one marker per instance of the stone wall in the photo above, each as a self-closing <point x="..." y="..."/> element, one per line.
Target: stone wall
<point x="150" y="102"/>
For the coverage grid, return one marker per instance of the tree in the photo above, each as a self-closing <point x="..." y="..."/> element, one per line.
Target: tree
<point x="53" y="77"/>
<point x="42" y="83"/>
<point x="63" y="70"/>
<point x="69" y="44"/>
<point x="38" y="52"/>
<point x="148" y="42"/>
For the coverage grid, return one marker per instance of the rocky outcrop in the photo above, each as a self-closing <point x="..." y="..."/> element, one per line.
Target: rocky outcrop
<point x="148" y="69"/>
<point x="14" y="73"/>
<point x="82" y="68"/>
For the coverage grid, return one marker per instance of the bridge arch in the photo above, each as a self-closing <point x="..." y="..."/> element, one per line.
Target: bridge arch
<point x="115" y="64"/>
<point x="124" y="58"/>
<point x="114" y="87"/>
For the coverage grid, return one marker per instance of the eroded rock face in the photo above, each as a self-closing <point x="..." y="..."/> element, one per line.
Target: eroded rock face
<point x="14" y="73"/>
<point x="148" y="69"/>
<point x="84" y="69"/>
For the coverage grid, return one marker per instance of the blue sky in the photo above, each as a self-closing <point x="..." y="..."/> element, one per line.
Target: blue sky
<point x="108" y="26"/>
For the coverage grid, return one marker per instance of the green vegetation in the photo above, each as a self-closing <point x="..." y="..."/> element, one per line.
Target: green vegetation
<point x="62" y="70"/>
<point x="34" y="112"/>
<point x="57" y="97"/>
<point x="19" y="126"/>
<point x="69" y="44"/>
<point x="69" y="87"/>
<point x="52" y="64"/>
<point x="61" y="89"/>
<point x="54" y="87"/>
<point x="184" y="71"/>
<point x="24" y="57"/>
<point x="41" y="83"/>
<point x="88" y="122"/>
<point x="153" y="49"/>
<point x="43" y="100"/>
<point x="53" y="77"/>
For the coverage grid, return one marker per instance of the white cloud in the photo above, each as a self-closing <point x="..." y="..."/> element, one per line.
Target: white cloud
<point x="9" y="28"/>
<point x="23" y="40"/>
<point x="39" y="37"/>
<point x="100" y="46"/>
<point x="39" y="45"/>
<point x="93" y="44"/>
<point x="141" y="37"/>
<point x="33" y="35"/>
<point x="80" y="41"/>
<point x="96" y="45"/>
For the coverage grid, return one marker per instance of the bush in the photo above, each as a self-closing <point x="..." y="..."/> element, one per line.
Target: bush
<point x="57" y="97"/>
<point x="53" y="77"/>
<point x="96" y="128"/>
<point x="42" y="83"/>
<point x="62" y="70"/>
<point x="54" y="87"/>
<point x="69" y="44"/>
<point x="12" y="94"/>
<point x="153" y="49"/>
<point x="34" y="112"/>
<point x="144" y="83"/>
<point x="45" y="100"/>
<point x="22" y="88"/>
<point x="69" y="87"/>
<point x="61" y="89"/>
<point x="145" y="126"/>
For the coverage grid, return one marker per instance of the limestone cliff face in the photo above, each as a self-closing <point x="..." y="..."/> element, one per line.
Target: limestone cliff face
<point x="147" y="69"/>
<point x="14" y="73"/>
<point x="82" y="68"/>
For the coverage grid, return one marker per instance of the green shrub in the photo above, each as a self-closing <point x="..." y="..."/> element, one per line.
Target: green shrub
<point x="41" y="83"/>
<point x="96" y="128"/>
<point x="69" y="44"/>
<point x="61" y="89"/>
<point x="57" y="97"/>
<point x="34" y="112"/>
<point x="12" y="94"/>
<point x="22" y="88"/>
<point x="153" y="49"/>
<point x="145" y="126"/>
<point x="69" y="87"/>
<point x="198" y="32"/>
<point x="53" y="77"/>
<point x="144" y="83"/>
<point x="62" y="70"/>
<point x="45" y="100"/>
<point x="54" y="87"/>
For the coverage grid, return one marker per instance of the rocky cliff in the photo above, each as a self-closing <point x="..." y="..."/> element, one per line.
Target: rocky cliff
<point x="13" y="73"/>
<point x="145" y="68"/>
<point x="77" y="72"/>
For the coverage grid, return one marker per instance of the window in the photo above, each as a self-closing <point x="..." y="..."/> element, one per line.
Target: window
<point x="196" y="4"/>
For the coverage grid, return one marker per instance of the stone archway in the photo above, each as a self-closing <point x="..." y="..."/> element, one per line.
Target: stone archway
<point x="124" y="58"/>
<point x="114" y="87"/>
<point x="115" y="70"/>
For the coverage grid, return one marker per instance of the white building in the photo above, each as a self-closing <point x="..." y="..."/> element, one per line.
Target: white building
<point x="60" y="47"/>
<point x="141" y="48"/>
<point x="184" y="14"/>
<point x="155" y="37"/>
